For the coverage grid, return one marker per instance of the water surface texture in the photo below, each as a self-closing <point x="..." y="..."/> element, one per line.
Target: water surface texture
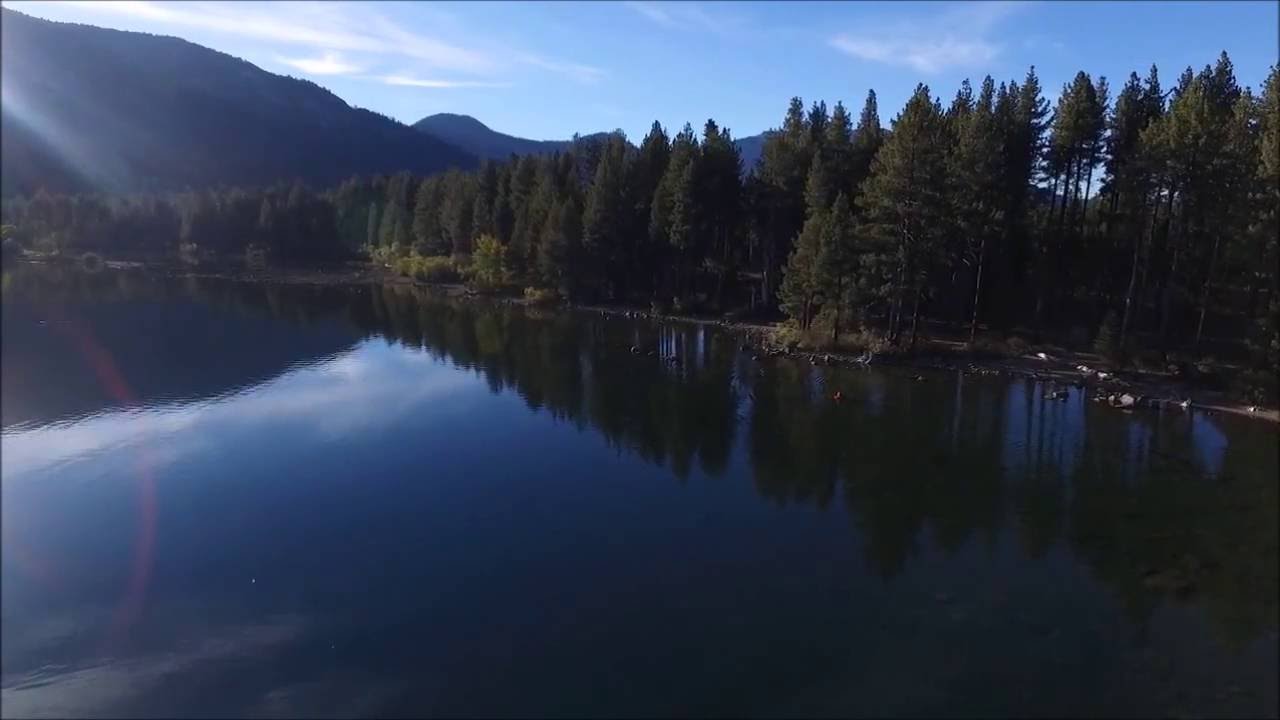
<point x="225" y="499"/>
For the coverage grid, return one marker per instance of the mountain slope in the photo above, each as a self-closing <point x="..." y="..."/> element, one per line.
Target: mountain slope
<point x="90" y="108"/>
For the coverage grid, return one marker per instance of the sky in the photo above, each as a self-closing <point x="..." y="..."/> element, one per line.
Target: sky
<point x="548" y="70"/>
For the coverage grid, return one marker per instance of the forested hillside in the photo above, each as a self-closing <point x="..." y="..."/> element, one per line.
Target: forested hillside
<point x="90" y="108"/>
<point x="1139" y="216"/>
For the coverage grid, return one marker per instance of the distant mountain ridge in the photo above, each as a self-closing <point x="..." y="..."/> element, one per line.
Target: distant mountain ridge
<point x="91" y="108"/>
<point x="476" y="138"/>
<point x="472" y="136"/>
<point x="88" y="108"/>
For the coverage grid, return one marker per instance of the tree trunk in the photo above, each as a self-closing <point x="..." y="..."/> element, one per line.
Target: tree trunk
<point x="915" y="318"/>
<point x="1166" y="297"/>
<point x="835" y="324"/>
<point x="1208" y="284"/>
<point x="1133" y="278"/>
<point x="895" y="313"/>
<point x="977" y="289"/>
<point x="1088" y="187"/>
<point x="1066" y="189"/>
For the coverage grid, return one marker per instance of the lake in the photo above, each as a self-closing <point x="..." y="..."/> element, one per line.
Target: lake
<point x="225" y="498"/>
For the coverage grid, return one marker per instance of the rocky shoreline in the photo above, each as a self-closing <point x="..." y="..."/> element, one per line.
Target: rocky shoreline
<point x="1126" y="390"/>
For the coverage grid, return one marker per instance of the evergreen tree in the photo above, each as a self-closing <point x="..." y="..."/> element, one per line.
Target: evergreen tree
<point x="977" y="187"/>
<point x="675" y="191"/>
<point x="1267" y="222"/>
<point x="837" y="260"/>
<point x="867" y="139"/>
<point x="605" y="215"/>
<point x="646" y="176"/>
<point x="905" y="209"/>
<point x="838" y="146"/>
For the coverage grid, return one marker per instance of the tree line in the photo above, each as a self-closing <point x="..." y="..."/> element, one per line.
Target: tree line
<point x="1152" y="213"/>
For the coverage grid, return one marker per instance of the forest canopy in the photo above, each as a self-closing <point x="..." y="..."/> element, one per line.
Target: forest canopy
<point x="1119" y="211"/>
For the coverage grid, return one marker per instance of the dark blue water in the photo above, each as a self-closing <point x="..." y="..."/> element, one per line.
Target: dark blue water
<point x="225" y="499"/>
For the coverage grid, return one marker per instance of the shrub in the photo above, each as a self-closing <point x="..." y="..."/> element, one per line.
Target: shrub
<point x="1105" y="342"/>
<point x="541" y="296"/>
<point x="91" y="262"/>
<point x="489" y="263"/>
<point x="1017" y="345"/>
<point x="255" y="257"/>
<point x="433" y="269"/>
<point x="50" y="245"/>
<point x="437" y="269"/>
<point x="12" y="248"/>
<point x="1257" y="387"/>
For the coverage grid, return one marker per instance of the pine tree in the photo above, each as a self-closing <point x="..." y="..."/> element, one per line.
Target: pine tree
<point x="371" y="235"/>
<point x="867" y="139"/>
<point x="800" y="291"/>
<point x="719" y="198"/>
<point x="606" y="213"/>
<point x="560" y="244"/>
<point x="1129" y="181"/>
<point x="1267" y="214"/>
<point x="676" y="187"/>
<point x="905" y="208"/>
<point x="977" y="183"/>
<point x="839" y="149"/>
<point x="646" y="175"/>
<point x="837" y="260"/>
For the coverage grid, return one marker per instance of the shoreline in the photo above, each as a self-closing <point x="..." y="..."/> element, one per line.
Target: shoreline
<point x="1059" y="368"/>
<point x="1152" y="390"/>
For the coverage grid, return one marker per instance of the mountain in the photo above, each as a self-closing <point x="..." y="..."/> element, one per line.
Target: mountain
<point x="91" y="108"/>
<point x="750" y="149"/>
<point x="473" y="136"/>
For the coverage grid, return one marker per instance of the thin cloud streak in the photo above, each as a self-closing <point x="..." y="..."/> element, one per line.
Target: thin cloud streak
<point x="925" y="56"/>
<point x="585" y="74"/>
<point x="330" y="28"/>
<point x="410" y="81"/>
<point x="651" y="11"/>
<point x="930" y="45"/>
<point x="684" y="16"/>
<point x="326" y="64"/>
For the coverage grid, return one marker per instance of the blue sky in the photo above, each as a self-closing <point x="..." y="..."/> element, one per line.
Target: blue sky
<point x="546" y="70"/>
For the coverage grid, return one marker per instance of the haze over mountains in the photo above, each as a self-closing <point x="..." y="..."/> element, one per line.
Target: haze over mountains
<point x="92" y="108"/>
<point x="113" y="110"/>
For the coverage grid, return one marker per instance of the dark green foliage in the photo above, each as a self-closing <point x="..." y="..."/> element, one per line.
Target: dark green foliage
<point x="905" y="210"/>
<point x="1156" y="225"/>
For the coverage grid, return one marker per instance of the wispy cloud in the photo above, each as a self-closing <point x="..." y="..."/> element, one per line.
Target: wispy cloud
<point x="652" y="11"/>
<point x="308" y="24"/>
<point x="586" y="74"/>
<point x="684" y="16"/>
<point x="958" y="37"/>
<point x="332" y="30"/>
<point x="410" y="81"/>
<point x="327" y="64"/>
<point x="927" y="56"/>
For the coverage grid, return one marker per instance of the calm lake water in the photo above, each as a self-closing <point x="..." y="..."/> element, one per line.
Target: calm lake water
<point x="225" y="499"/>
